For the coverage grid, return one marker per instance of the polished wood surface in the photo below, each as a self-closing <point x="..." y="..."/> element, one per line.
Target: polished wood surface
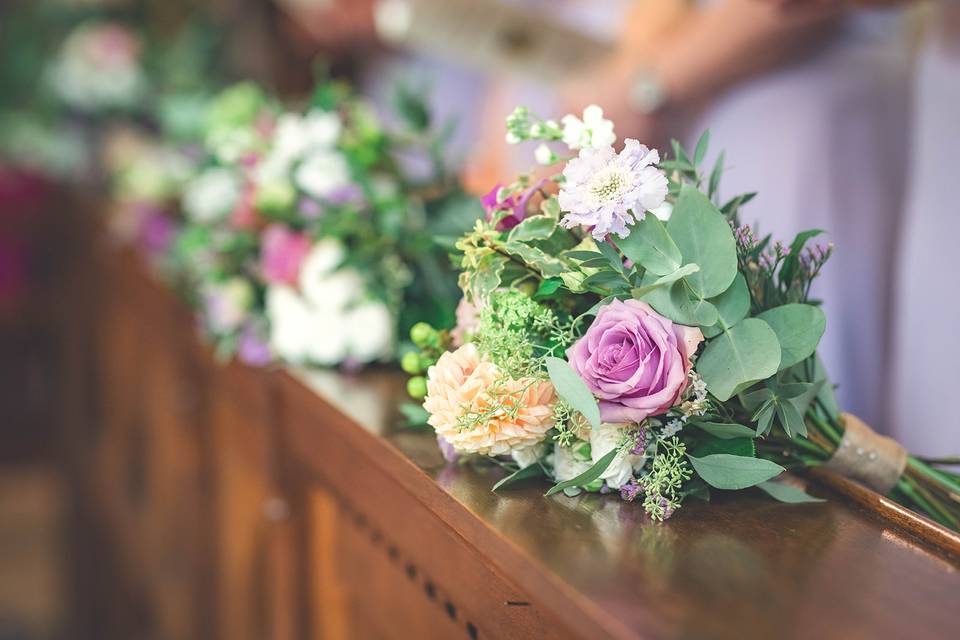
<point x="743" y="566"/>
<point x="282" y="504"/>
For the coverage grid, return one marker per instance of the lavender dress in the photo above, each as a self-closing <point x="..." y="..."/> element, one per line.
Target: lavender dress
<point x="825" y="142"/>
<point x="927" y="303"/>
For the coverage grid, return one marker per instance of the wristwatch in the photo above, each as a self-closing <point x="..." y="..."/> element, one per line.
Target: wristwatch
<point x="647" y="94"/>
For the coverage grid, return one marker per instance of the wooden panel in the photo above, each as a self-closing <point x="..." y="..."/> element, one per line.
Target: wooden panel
<point x="256" y="581"/>
<point x="742" y="567"/>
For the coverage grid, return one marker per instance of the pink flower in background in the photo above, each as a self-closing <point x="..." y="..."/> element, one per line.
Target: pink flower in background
<point x="519" y="206"/>
<point x="634" y="360"/>
<point x="244" y="215"/>
<point x="468" y="321"/>
<point x="282" y="254"/>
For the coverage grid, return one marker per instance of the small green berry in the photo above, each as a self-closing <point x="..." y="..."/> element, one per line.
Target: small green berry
<point x="417" y="387"/>
<point x="423" y="335"/>
<point x="410" y="362"/>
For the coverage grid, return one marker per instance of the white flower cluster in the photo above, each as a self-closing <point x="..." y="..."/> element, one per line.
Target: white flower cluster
<point x="329" y="320"/>
<point x="568" y="463"/>
<point x="212" y="195"/>
<point x="592" y="131"/>
<point x="304" y="149"/>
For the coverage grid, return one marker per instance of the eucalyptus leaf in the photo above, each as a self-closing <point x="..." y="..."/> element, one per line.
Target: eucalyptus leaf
<point x="732" y="305"/>
<point x="725" y="430"/>
<point x="799" y="328"/>
<point x="532" y="471"/>
<point x="748" y="352"/>
<point x="786" y="493"/>
<point x="571" y="387"/>
<point x="587" y="476"/>
<point x="676" y="304"/>
<point x="704" y="237"/>
<point x="725" y="471"/>
<point x="666" y="280"/>
<point x="533" y="228"/>
<point x="650" y="246"/>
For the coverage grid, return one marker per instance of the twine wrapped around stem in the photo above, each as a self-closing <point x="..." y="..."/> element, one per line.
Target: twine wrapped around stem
<point x="868" y="457"/>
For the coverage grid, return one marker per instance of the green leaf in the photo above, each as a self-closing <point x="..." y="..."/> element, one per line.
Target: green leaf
<point x="725" y="430"/>
<point x="547" y="265"/>
<point x="612" y="256"/>
<point x="587" y="476"/>
<point x="484" y="279"/>
<point x="749" y="352"/>
<point x="663" y="281"/>
<point x="547" y="288"/>
<point x="533" y="228"/>
<point x="827" y="396"/>
<point x="532" y="471"/>
<point x="732" y="305"/>
<point x="715" y="176"/>
<point x="705" y="238"/>
<point x="676" y="304"/>
<point x="571" y="387"/>
<point x="583" y="255"/>
<point x="551" y="207"/>
<point x="792" y="261"/>
<point x="742" y="446"/>
<point x="725" y="471"/>
<point x="650" y="246"/>
<point x="701" y="150"/>
<point x="786" y="493"/>
<point x="799" y="328"/>
<point x="790" y="419"/>
<point x="606" y="280"/>
<point x="415" y="414"/>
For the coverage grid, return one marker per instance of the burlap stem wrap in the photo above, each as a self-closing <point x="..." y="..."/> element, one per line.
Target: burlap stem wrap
<point x="868" y="457"/>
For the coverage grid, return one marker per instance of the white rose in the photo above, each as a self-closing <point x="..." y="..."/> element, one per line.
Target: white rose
<point x="321" y="128"/>
<point x="593" y="131"/>
<point x="566" y="465"/>
<point x="290" y="323"/>
<point x="605" y="439"/>
<point x="322" y="173"/>
<point x="369" y="327"/>
<point x="212" y="195"/>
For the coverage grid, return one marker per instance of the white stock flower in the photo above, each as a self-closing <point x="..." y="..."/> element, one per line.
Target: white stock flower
<point x="296" y="135"/>
<point x="212" y="195"/>
<point x="322" y="173"/>
<point x="328" y="320"/>
<point x="605" y="439"/>
<point x="526" y="456"/>
<point x="606" y="190"/>
<point x="566" y="465"/>
<point x="226" y="304"/>
<point x="369" y="329"/>
<point x="593" y="131"/>
<point x="290" y="323"/>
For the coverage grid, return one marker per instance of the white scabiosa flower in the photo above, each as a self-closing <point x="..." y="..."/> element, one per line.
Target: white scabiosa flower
<point x="594" y="131"/>
<point x="322" y="173"/>
<point x="607" y="190"/>
<point x="566" y="465"/>
<point x="212" y="195"/>
<point x="605" y="439"/>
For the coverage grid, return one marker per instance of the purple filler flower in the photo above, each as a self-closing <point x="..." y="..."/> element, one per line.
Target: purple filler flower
<point x="634" y="360"/>
<point x="252" y="348"/>
<point x="157" y="231"/>
<point x="607" y="191"/>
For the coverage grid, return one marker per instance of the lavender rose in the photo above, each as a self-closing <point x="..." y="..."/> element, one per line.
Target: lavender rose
<point x="634" y="360"/>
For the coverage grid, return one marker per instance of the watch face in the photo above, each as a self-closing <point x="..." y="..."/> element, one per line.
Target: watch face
<point x="646" y="93"/>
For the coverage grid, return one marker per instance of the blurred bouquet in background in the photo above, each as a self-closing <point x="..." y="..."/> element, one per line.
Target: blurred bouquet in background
<point x="306" y="238"/>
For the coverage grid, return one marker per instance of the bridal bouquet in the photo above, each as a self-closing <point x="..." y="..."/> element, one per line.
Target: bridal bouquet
<point x="622" y="331"/>
<point x="307" y="231"/>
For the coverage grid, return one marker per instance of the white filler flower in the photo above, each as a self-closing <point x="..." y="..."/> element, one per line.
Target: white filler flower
<point x="607" y="191"/>
<point x="605" y="439"/>
<point x="594" y="131"/>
